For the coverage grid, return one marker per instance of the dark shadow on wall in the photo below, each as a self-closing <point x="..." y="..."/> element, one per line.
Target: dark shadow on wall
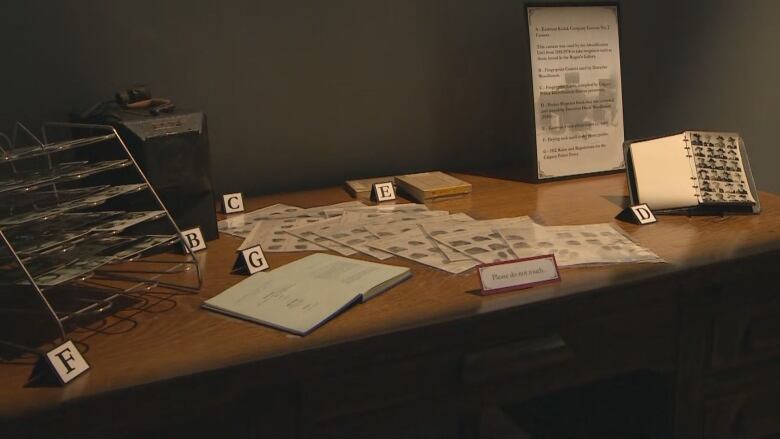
<point x="302" y="94"/>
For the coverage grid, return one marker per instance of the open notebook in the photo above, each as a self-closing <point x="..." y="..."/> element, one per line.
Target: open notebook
<point x="691" y="172"/>
<point x="302" y="295"/>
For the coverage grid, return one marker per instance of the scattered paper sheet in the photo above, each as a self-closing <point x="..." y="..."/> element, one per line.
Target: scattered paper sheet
<point x="395" y="228"/>
<point x="319" y="211"/>
<point x="473" y="233"/>
<point x="309" y="232"/>
<point x="415" y="245"/>
<point x="243" y="224"/>
<point x="480" y="241"/>
<point x="576" y="245"/>
<point x="379" y="209"/>
<point x="453" y="243"/>
<point x="272" y="236"/>
<point x="352" y="231"/>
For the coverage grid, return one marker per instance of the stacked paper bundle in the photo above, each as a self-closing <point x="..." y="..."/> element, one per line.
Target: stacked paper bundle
<point x="450" y="242"/>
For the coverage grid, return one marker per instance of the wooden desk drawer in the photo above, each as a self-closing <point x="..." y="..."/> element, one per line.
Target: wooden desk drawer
<point x="519" y="357"/>
<point x="751" y="416"/>
<point x="746" y="331"/>
<point x="597" y="340"/>
<point x="378" y="385"/>
<point x="429" y="419"/>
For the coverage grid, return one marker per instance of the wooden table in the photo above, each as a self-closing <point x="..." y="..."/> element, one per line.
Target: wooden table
<point x="430" y="353"/>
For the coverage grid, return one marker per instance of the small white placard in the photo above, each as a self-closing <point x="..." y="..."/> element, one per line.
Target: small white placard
<point x="193" y="239"/>
<point x="67" y="362"/>
<point x="643" y="214"/>
<point x="254" y="259"/>
<point x="523" y="273"/>
<point x="232" y="203"/>
<point x="383" y="191"/>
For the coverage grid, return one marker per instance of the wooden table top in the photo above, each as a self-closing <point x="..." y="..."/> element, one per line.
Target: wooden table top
<point x="188" y="340"/>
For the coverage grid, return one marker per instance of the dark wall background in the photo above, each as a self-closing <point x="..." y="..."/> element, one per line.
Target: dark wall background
<point x="304" y="93"/>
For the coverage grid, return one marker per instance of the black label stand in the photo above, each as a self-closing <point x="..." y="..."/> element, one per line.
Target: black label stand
<point x="250" y="261"/>
<point x="382" y="192"/>
<point x="639" y="214"/>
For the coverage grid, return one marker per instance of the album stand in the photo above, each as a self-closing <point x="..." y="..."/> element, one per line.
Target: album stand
<point x="85" y="242"/>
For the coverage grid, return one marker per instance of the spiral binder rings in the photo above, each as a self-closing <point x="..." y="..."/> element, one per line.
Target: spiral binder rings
<point x="694" y="172"/>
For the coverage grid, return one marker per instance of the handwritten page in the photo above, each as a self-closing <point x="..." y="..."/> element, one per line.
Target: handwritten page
<point x="300" y="296"/>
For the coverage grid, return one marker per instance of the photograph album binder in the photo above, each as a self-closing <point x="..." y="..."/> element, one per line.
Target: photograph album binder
<point x="694" y="172"/>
